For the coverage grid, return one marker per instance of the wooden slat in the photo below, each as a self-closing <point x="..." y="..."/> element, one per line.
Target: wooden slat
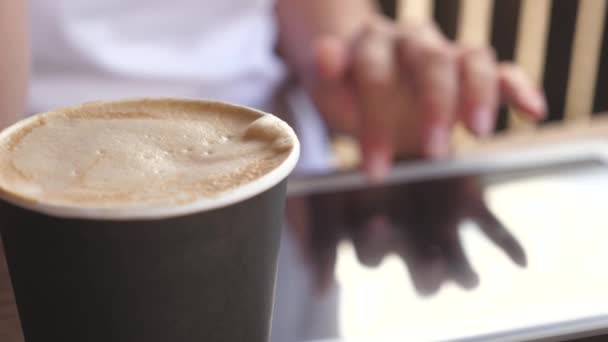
<point x="585" y="59"/>
<point x="600" y="102"/>
<point x="474" y="25"/>
<point x="415" y="10"/>
<point x="560" y="41"/>
<point x="446" y="15"/>
<point x="531" y="46"/>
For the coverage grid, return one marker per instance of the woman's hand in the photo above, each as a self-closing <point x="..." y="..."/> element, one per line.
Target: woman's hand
<point x="399" y="90"/>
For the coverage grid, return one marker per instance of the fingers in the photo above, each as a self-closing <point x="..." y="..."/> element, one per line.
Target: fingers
<point x="479" y="91"/>
<point x="518" y="90"/>
<point x="460" y="269"/>
<point x="368" y="225"/>
<point x="497" y="232"/>
<point x="424" y="260"/>
<point x="429" y="63"/>
<point x="332" y="93"/>
<point x="378" y="93"/>
<point x="411" y="207"/>
<point x="427" y="267"/>
<point x="373" y="240"/>
<point x="401" y="90"/>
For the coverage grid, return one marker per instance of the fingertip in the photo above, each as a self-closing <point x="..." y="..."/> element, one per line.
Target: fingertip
<point x="514" y="250"/>
<point x="472" y="281"/>
<point x="437" y="142"/>
<point x="377" y="168"/>
<point x="517" y="89"/>
<point x="373" y="240"/>
<point x="467" y="280"/>
<point x="434" y="274"/>
<point x="463" y="274"/>
<point x="483" y="122"/>
<point x="539" y="105"/>
<point x="523" y="263"/>
<point x="534" y="104"/>
<point x="377" y="158"/>
<point x="426" y="292"/>
<point x="520" y="259"/>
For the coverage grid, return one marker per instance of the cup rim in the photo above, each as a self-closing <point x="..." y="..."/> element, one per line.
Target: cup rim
<point x="203" y="204"/>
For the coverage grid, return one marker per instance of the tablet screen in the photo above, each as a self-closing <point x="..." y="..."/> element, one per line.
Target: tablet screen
<point x="559" y="215"/>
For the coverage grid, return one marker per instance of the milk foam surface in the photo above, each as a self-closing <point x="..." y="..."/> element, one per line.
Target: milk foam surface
<point x="140" y="153"/>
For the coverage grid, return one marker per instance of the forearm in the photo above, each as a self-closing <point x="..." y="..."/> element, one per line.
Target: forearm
<point x="14" y="60"/>
<point x="302" y="21"/>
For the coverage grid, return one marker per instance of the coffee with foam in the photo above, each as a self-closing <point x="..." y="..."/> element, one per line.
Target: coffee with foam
<point x="140" y="153"/>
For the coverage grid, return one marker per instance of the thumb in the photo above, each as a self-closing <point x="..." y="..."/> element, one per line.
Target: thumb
<point x="331" y="89"/>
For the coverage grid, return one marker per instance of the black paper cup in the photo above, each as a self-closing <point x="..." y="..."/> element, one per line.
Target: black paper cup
<point x="200" y="272"/>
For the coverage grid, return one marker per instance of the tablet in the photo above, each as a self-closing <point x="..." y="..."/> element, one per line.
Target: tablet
<point x="494" y="167"/>
<point x="551" y="196"/>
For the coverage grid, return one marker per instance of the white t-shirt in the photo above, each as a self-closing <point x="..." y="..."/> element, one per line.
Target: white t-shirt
<point x="106" y="49"/>
<point x="86" y="50"/>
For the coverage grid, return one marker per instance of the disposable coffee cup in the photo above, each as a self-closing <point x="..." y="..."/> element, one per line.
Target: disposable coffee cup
<point x="203" y="270"/>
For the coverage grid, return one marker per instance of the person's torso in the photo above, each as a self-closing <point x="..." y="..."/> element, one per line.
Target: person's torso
<point x="106" y="49"/>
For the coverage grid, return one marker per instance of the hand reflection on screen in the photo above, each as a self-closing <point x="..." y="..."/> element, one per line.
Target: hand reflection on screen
<point x="418" y="222"/>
